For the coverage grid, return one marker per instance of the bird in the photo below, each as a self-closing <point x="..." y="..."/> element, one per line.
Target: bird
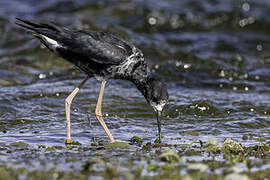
<point x="103" y="56"/>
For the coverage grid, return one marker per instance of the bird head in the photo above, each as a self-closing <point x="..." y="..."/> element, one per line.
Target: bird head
<point x="157" y="96"/>
<point x="156" y="93"/>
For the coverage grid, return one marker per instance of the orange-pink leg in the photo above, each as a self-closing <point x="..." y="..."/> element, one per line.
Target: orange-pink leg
<point x="68" y="104"/>
<point x="99" y="113"/>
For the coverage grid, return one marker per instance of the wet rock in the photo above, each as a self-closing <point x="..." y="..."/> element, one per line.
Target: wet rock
<point x="211" y="146"/>
<point x="198" y="167"/>
<point x="236" y="176"/>
<point x="187" y="177"/>
<point x="232" y="146"/>
<point x="169" y="156"/>
<point x="117" y="144"/>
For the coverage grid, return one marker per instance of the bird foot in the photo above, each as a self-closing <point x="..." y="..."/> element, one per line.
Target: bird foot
<point x="68" y="141"/>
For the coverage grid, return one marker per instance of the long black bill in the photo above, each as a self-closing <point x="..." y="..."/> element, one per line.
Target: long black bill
<point x="159" y="125"/>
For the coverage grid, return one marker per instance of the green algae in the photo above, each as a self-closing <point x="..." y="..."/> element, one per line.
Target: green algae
<point x="98" y="142"/>
<point x="157" y="140"/>
<point x="76" y="143"/>
<point x="136" y="140"/>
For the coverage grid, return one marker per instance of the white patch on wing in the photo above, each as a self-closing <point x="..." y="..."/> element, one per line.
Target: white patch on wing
<point x="51" y="41"/>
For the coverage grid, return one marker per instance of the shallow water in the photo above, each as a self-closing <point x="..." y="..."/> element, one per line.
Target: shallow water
<point x="214" y="56"/>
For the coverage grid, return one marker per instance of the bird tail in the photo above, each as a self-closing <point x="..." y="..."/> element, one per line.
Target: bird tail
<point x="49" y="34"/>
<point x="38" y="29"/>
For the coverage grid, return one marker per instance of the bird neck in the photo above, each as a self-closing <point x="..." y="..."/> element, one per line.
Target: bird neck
<point x="142" y="85"/>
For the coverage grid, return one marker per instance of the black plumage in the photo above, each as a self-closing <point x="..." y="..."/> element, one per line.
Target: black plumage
<point x="103" y="56"/>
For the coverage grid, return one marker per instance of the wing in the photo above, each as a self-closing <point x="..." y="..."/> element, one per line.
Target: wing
<point x="100" y="47"/>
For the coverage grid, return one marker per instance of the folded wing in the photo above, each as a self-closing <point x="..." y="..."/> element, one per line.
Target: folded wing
<point x="98" y="47"/>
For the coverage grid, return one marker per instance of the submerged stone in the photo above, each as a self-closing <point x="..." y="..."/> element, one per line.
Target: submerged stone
<point x="169" y="156"/>
<point x="232" y="146"/>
